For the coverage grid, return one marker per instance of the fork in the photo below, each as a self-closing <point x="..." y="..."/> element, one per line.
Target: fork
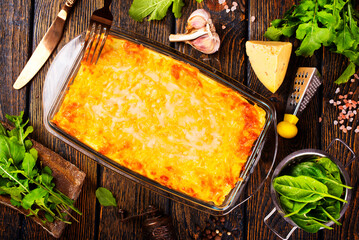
<point x="97" y="32"/>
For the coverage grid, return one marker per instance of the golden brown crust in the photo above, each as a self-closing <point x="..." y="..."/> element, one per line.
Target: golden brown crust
<point x="163" y="119"/>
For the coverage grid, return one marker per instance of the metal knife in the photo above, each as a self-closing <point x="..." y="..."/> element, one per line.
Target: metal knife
<point x="46" y="46"/>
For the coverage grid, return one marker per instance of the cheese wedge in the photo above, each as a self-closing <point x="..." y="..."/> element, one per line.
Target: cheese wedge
<point x="269" y="61"/>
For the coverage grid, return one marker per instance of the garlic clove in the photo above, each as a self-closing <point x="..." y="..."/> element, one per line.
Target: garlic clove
<point x="200" y="33"/>
<point x="196" y="22"/>
<point x="207" y="44"/>
<point x="198" y="19"/>
<point x="188" y="36"/>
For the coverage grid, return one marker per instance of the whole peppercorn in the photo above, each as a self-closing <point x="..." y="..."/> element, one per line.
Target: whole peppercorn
<point x="218" y="228"/>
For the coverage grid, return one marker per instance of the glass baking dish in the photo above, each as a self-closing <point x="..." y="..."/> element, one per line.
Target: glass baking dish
<point x="63" y="70"/>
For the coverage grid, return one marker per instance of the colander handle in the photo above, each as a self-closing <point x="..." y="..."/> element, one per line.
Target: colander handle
<point x="275" y="231"/>
<point x="346" y="145"/>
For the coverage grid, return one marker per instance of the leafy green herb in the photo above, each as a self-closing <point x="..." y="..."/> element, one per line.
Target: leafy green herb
<point x="317" y="23"/>
<point x="316" y="171"/>
<point x="308" y="224"/>
<point x="310" y="193"/>
<point x="105" y="197"/>
<point x="302" y="188"/>
<point x="29" y="186"/>
<point x="296" y="207"/>
<point x="156" y="9"/>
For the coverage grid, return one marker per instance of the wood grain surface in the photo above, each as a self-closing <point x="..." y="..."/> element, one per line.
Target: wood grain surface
<point x="25" y="22"/>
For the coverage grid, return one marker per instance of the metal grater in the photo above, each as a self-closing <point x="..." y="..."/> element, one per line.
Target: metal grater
<point x="306" y="82"/>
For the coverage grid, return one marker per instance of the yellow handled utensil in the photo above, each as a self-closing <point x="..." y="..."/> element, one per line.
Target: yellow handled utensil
<point x="306" y="82"/>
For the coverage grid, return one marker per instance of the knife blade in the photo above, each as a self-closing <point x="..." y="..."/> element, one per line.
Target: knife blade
<point x="46" y="46"/>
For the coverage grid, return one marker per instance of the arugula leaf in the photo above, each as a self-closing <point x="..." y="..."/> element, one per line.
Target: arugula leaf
<point x="20" y="178"/>
<point x="46" y="176"/>
<point x="312" y="37"/>
<point x="28" y="163"/>
<point x="105" y="197"/>
<point x="156" y="9"/>
<point x="177" y="7"/>
<point x="30" y="198"/>
<point x="348" y="72"/>
<point x="273" y="33"/>
<point x="2" y="130"/>
<point x="317" y="23"/>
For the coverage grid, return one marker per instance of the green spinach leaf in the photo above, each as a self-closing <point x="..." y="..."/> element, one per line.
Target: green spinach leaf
<point x="302" y="188"/>
<point x="294" y="207"/>
<point x="315" y="170"/>
<point x="308" y="224"/>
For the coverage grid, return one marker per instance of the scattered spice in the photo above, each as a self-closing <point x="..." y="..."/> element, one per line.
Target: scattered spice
<point x="348" y="110"/>
<point x="217" y="228"/>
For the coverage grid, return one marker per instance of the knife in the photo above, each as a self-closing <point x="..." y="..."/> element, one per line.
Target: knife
<point x="46" y="46"/>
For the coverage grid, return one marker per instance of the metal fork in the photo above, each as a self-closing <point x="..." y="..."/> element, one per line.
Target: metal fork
<point x="97" y="32"/>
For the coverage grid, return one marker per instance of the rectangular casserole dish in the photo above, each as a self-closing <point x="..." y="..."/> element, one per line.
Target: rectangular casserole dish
<point x="68" y="75"/>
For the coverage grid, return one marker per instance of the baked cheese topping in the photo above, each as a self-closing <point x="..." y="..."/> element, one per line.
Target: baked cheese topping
<point x="163" y="119"/>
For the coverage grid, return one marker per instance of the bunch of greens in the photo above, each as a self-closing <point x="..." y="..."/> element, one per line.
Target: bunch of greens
<point x="331" y="23"/>
<point x="157" y="9"/>
<point x="21" y="178"/>
<point x="310" y="193"/>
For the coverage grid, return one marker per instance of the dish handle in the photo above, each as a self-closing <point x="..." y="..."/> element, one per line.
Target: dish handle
<point x="274" y="230"/>
<point x="346" y="145"/>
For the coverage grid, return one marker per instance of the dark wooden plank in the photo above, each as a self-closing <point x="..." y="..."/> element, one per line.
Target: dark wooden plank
<point x="45" y="13"/>
<point x="262" y="12"/>
<point x="131" y="196"/>
<point x="14" y="46"/>
<point x="230" y="59"/>
<point x="350" y="221"/>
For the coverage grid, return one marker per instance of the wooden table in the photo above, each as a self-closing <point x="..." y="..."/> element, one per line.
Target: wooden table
<point x="23" y="24"/>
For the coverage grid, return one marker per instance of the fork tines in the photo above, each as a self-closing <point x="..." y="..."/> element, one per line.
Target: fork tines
<point x="97" y="32"/>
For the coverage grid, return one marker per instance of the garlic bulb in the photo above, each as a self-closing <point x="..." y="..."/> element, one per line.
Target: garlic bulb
<point x="198" y="19"/>
<point x="200" y="33"/>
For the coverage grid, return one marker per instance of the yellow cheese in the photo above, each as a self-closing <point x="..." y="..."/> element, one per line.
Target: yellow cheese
<point x="269" y="61"/>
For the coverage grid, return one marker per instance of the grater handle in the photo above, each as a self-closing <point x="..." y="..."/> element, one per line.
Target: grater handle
<point x="287" y="128"/>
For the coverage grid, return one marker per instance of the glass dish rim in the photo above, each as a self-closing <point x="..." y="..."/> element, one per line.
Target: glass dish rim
<point x="217" y="76"/>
